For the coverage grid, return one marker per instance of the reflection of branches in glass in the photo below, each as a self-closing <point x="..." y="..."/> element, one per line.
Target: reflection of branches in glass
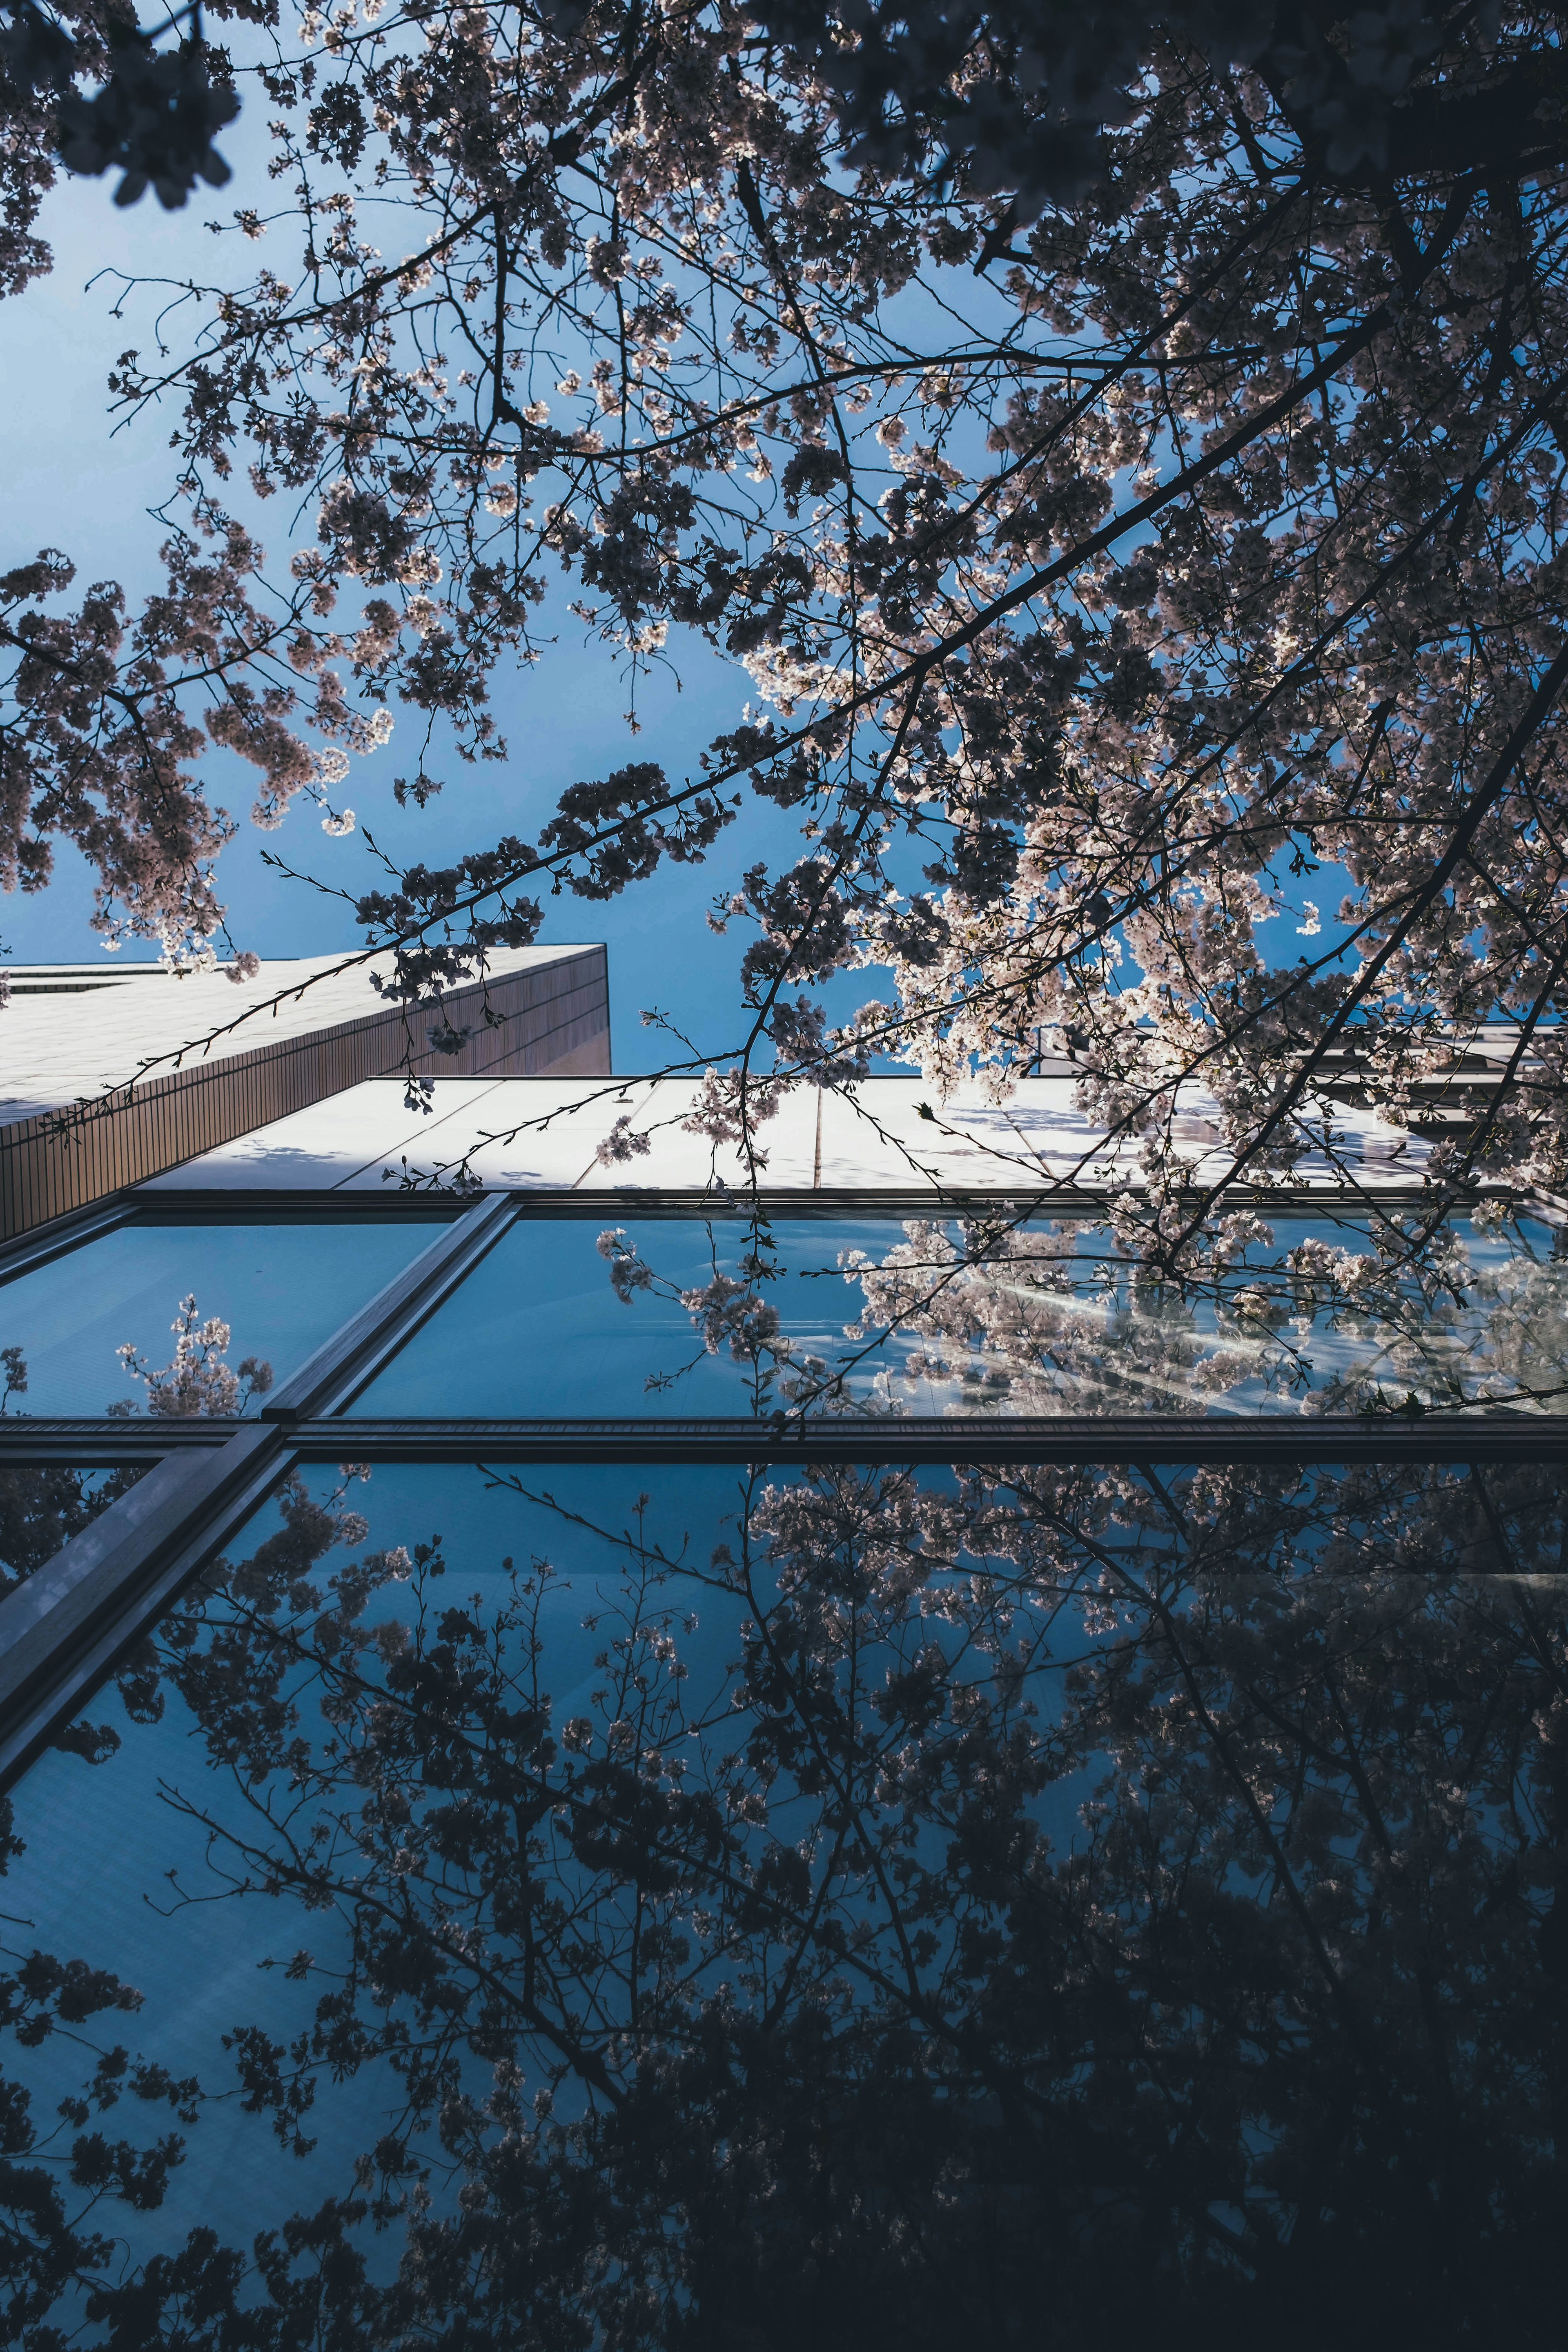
<point x="1062" y="1317"/>
<point x="728" y="1311"/>
<point x="56" y="2233"/>
<point x="1009" y="1312"/>
<point x="43" y="1506"/>
<point x="936" y="1882"/>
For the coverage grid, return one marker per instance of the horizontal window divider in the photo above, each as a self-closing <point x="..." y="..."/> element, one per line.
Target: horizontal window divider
<point x="1065" y="1438"/>
<point x="170" y="1205"/>
<point x="960" y="1201"/>
<point x="1055" y="1438"/>
<point x="105" y="1442"/>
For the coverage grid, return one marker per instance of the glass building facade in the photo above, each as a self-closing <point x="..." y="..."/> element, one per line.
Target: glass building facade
<point x="678" y="1767"/>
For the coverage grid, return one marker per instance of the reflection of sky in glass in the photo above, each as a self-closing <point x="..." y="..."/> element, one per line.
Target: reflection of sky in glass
<point x="538" y="1331"/>
<point x="282" y="1290"/>
<point x="1470" y="1338"/>
<point x="1500" y="1319"/>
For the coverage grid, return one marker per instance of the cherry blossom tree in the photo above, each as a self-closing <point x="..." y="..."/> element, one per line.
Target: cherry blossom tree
<point x="1123" y="453"/>
<point x="108" y="713"/>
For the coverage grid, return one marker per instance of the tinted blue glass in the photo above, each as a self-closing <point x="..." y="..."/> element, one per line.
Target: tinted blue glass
<point x="281" y="1289"/>
<point x="669" y="1317"/>
<point x="513" y="1862"/>
<point x="539" y="1328"/>
<point x="42" y="1506"/>
<point x="138" y="1862"/>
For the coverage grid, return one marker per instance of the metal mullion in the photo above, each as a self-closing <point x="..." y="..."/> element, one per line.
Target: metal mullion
<point x="1069" y="1439"/>
<point x="171" y="1205"/>
<point x="63" y="1628"/>
<point x="329" y="1380"/>
<point x="826" y="1203"/>
<point x="62" y="1235"/>
<point x="1076" y="1437"/>
<point x="106" y="1441"/>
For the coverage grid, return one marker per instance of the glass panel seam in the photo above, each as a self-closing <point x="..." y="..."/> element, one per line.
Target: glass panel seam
<point x="1058" y="1438"/>
<point x="62" y="1631"/>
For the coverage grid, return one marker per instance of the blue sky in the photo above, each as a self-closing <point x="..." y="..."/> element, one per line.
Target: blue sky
<point x="78" y="484"/>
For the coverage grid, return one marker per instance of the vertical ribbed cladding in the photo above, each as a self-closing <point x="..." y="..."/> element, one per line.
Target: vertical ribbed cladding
<point x="59" y="1161"/>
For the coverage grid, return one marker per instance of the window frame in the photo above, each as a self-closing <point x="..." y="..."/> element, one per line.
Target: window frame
<point x="64" y="1631"/>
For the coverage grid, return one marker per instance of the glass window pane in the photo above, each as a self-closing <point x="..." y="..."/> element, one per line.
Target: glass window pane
<point x="694" y="1877"/>
<point x="42" y="1506"/>
<point x="931" y="1316"/>
<point x="281" y="1290"/>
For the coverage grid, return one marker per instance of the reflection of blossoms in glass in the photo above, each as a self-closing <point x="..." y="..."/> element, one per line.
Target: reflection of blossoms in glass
<point x="987" y="1316"/>
<point x="1034" y="1791"/>
<point x="196" y="1380"/>
<point x="41" y="1509"/>
<point x="627" y="1271"/>
<point x="730" y="1316"/>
